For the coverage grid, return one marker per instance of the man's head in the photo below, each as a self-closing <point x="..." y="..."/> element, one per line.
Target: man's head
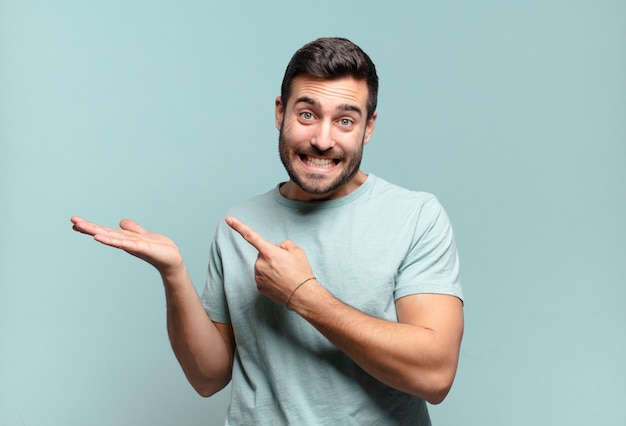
<point x="331" y="59"/>
<point x="325" y="114"/>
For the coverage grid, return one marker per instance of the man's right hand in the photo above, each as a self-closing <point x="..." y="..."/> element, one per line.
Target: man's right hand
<point x="156" y="249"/>
<point x="204" y="349"/>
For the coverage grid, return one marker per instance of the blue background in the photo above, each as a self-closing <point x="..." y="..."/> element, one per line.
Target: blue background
<point x="513" y="113"/>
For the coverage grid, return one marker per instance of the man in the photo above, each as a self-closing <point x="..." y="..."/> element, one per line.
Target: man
<point x="341" y="304"/>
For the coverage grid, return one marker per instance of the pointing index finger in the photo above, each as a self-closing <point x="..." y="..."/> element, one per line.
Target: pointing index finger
<point x="249" y="235"/>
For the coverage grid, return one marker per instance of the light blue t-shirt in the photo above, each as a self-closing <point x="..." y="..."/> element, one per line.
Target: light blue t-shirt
<point x="369" y="248"/>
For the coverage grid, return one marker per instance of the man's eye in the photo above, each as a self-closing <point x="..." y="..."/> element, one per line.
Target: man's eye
<point x="306" y="115"/>
<point x="345" y="122"/>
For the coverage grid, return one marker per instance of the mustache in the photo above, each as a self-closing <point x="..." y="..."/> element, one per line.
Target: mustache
<point x="316" y="152"/>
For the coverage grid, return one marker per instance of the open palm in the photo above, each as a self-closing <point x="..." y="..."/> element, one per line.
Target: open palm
<point x="156" y="249"/>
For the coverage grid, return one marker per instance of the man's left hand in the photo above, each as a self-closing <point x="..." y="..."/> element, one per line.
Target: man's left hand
<point x="279" y="268"/>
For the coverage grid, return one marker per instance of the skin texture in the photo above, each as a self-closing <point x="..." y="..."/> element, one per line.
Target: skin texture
<point x="323" y="128"/>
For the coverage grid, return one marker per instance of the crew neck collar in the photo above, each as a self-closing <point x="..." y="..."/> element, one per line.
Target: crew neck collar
<point x="310" y="205"/>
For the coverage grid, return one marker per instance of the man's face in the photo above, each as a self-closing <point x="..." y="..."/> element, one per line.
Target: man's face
<point x="323" y="129"/>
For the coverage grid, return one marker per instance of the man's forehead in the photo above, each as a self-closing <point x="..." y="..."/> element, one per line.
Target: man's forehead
<point x="338" y="91"/>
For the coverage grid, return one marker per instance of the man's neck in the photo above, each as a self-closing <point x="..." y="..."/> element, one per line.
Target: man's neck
<point x="292" y="191"/>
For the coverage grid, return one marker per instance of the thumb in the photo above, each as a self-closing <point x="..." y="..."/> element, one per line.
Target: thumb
<point x="131" y="225"/>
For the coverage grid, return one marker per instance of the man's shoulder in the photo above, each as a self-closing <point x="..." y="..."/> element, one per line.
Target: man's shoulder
<point x="391" y="192"/>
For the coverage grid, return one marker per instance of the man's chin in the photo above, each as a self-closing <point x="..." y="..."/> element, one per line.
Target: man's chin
<point x="316" y="189"/>
<point x="321" y="190"/>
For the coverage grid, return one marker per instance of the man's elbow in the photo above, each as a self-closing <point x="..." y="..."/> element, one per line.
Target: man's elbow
<point x="208" y="387"/>
<point x="205" y="392"/>
<point x="434" y="388"/>
<point x="436" y="396"/>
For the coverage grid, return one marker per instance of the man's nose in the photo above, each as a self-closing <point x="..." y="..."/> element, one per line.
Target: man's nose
<point x="323" y="138"/>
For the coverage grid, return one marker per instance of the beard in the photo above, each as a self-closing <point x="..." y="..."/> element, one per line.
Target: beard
<point x="316" y="183"/>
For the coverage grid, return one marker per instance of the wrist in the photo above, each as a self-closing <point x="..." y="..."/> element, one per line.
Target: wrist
<point x="296" y="289"/>
<point x="173" y="273"/>
<point x="310" y="298"/>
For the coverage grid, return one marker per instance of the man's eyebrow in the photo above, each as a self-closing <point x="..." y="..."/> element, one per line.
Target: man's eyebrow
<point x="350" y="107"/>
<point x="317" y="104"/>
<point x="308" y="100"/>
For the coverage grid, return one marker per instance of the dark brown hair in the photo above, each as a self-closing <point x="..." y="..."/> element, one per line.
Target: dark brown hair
<point x="329" y="59"/>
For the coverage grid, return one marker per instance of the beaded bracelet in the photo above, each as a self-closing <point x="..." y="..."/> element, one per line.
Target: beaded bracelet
<point x="294" y="290"/>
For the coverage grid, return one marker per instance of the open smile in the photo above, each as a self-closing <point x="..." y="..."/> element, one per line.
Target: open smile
<point x="318" y="162"/>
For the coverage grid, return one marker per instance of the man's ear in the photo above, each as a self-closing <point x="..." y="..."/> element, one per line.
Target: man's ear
<point x="369" y="127"/>
<point x="280" y="111"/>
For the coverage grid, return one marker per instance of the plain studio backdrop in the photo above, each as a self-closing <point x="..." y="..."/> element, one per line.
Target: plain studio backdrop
<point x="512" y="113"/>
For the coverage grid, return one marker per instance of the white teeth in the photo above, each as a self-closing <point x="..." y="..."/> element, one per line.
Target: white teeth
<point x="319" y="162"/>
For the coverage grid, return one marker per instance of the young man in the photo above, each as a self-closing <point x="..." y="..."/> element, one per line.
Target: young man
<point x="334" y="298"/>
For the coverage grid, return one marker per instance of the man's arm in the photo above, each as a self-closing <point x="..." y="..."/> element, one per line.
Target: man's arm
<point x="418" y="354"/>
<point x="204" y="349"/>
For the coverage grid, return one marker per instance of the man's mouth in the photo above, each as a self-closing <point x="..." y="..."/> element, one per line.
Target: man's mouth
<point x="319" y="162"/>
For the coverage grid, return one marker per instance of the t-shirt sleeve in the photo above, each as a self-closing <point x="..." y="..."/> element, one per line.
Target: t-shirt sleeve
<point x="432" y="263"/>
<point x="213" y="296"/>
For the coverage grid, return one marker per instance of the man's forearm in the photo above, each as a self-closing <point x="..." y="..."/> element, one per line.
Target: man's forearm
<point x="204" y="350"/>
<point x="410" y="357"/>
